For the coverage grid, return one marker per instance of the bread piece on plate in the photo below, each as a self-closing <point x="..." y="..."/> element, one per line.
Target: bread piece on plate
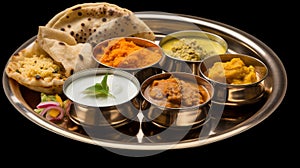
<point x="37" y="72"/>
<point x="63" y="48"/>
<point x="83" y="20"/>
<point x="64" y="45"/>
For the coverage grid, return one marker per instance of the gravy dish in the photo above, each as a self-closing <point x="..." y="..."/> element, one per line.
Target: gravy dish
<point x="176" y="99"/>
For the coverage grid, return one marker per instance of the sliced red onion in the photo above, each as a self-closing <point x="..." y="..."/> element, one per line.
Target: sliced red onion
<point x="47" y="104"/>
<point x="59" y="117"/>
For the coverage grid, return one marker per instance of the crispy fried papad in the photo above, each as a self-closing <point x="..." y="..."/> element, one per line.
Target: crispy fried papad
<point x="65" y="44"/>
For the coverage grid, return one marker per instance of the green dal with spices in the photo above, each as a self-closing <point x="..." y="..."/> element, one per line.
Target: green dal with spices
<point x="192" y="48"/>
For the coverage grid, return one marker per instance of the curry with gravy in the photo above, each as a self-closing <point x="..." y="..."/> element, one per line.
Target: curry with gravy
<point x="176" y="93"/>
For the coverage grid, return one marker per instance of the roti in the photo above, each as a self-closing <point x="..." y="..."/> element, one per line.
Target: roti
<point x="65" y="43"/>
<point x="83" y="20"/>
<point x="64" y="49"/>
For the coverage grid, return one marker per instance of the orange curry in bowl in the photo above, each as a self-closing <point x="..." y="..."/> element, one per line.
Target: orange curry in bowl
<point x="173" y="92"/>
<point x="128" y="52"/>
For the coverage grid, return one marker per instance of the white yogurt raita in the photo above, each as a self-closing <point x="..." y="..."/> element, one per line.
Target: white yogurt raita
<point x="122" y="89"/>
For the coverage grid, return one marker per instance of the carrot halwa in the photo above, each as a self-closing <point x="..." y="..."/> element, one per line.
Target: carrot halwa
<point x="233" y="72"/>
<point x="125" y="53"/>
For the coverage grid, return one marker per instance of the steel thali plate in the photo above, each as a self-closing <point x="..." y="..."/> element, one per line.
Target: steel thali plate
<point x="139" y="135"/>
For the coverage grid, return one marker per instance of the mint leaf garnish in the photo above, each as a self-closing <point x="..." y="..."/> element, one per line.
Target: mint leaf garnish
<point x="99" y="89"/>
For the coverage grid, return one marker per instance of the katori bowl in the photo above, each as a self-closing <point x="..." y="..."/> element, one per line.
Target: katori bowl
<point x="185" y="49"/>
<point x="138" y="56"/>
<point x="130" y="54"/>
<point x="119" y="108"/>
<point x="176" y="99"/>
<point x="238" y="79"/>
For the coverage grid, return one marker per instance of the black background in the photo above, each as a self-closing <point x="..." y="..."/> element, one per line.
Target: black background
<point x="270" y="142"/>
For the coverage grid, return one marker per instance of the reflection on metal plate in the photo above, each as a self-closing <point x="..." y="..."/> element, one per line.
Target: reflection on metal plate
<point x="138" y="134"/>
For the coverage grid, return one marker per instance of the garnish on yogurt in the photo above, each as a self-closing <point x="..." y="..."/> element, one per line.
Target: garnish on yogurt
<point x="99" y="89"/>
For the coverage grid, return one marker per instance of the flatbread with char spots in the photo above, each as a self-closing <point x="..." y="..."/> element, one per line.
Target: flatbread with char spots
<point x="64" y="49"/>
<point x="82" y="20"/>
<point x="64" y="45"/>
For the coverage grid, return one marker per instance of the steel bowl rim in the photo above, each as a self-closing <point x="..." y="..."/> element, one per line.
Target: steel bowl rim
<point x="181" y="109"/>
<point x="174" y="34"/>
<point x="85" y="72"/>
<point x="131" y="38"/>
<point x="234" y="85"/>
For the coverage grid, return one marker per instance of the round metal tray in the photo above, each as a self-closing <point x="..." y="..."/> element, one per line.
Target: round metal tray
<point x="140" y="135"/>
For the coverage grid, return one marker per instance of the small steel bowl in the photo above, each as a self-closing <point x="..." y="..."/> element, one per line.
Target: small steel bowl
<point x="236" y="94"/>
<point x="176" y="117"/>
<point x="90" y="110"/>
<point x="183" y="43"/>
<point x="133" y="65"/>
